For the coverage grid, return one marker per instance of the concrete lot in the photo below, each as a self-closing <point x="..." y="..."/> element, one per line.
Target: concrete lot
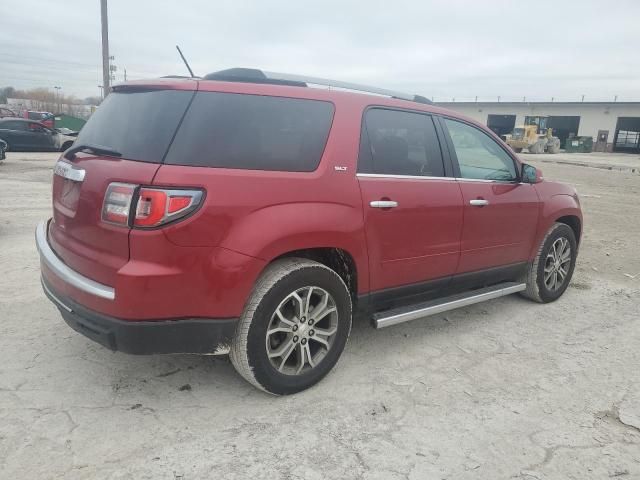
<point x="505" y="389"/>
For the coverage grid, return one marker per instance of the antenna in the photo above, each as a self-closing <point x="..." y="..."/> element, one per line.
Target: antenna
<point x="185" y="61"/>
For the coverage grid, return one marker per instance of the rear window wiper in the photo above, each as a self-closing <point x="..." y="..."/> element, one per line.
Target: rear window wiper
<point x="87" y="147"/>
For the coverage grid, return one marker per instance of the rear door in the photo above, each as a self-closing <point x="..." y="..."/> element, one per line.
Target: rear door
<point x="139" y="124"/>
<point x="500" y="213"/>
<point x="14" y="133"/>
<point x="413" y="210"/>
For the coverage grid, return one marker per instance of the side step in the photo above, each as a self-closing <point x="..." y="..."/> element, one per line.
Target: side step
<point x="419" y="310"/>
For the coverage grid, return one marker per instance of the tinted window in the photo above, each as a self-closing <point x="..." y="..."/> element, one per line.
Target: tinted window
<point x="13" y="125"/>
<point x="479" y="156"/>
<point x="138" y="124"/>
<point x="399" y="143"/>
<point x="252" y="132"/>
<point x="36" y="127"/>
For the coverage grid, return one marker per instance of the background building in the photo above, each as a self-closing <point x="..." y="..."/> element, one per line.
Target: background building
<point x="614" y="126"/>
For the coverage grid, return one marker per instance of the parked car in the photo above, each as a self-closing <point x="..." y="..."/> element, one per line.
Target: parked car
<point x="3" y="149"/>
<point x="46" y="118"/>
<point x="66" y="138"/>
<point x="21" y="134"/>
<point x="255" y="215"/>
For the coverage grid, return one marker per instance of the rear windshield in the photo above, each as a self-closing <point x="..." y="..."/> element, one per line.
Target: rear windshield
<point x="252" y="132"/>
<point x="138" y="124"/>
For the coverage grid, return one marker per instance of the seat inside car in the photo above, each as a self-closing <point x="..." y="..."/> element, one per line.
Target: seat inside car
<point x="392" y="155"/>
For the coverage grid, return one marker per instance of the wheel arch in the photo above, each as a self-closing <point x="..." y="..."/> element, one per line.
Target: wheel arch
<point x="562" y="208"/>
<point x="574" y="222"/>
<point x="337" y="259"/>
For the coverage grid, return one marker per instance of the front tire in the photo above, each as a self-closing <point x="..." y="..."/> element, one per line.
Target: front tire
<point x="550" y="273"/>
<point x="294" y="326"/>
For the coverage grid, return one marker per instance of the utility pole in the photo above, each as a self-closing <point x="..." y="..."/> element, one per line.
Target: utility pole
<point x="106" y="73"/>
<point x="125" y="74"/>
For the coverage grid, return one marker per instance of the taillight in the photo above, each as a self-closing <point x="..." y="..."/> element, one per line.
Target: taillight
<point x="152" y="207"/>
<point x="117" y="203"/>
<point x="157" y="206"/>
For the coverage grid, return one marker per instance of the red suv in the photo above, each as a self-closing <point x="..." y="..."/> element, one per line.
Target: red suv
<point x="247" y="213"/>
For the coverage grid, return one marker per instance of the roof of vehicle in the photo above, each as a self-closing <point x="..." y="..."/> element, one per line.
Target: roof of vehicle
<point x="257" y="82"/>
<point x="18" y="119"/>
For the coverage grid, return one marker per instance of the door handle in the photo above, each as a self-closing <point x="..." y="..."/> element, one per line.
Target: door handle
<point x="479" y="202"/>
<point x="383" y="204"/>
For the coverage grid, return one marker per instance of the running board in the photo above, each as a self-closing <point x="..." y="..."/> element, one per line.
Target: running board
<point x="419" y="310"/>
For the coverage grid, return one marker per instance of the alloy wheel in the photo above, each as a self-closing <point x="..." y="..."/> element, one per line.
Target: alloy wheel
<point x="557" y="264"/>
<point x="302" y="330"/>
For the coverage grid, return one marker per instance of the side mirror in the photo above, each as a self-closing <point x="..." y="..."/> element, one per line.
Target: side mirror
<point x="531" y="174"/>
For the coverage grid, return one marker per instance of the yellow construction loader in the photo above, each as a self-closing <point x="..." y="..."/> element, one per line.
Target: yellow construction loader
<point x="527" y="136"/>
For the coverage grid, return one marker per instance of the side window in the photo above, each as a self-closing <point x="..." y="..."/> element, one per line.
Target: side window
<point x="399" y="143"/>
<point x="258" y="132"/>
<point x="479" y="156"/>
<point x="34" y="127"/>
<point x="14" y="126"/>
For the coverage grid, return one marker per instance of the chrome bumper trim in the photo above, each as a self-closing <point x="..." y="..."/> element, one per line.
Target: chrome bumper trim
<point x="51" y="260"/>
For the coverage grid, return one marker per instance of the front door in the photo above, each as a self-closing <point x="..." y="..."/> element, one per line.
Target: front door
<point x="601" y="142"/>
<point x="500" y="213"/>
<point x="15" y="134"/>
<point x="39" y="138"/>
<point x="413" y="211"/>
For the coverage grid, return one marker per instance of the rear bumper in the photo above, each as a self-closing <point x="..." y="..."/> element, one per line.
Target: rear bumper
<point x="203" y="336"/>
<point x="64" y="272"/>
<point x="161" y="281"/>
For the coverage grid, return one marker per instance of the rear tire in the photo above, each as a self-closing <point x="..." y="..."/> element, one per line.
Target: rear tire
<point x="556" y="259"/>
<point x="517" y="150"/>
<point x="278" y="346"/>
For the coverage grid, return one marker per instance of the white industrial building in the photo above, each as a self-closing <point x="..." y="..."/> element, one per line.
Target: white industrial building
<point x="614" y="126"/>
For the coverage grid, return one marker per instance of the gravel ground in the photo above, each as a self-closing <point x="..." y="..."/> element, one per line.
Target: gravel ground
<point x="505" y="389"/>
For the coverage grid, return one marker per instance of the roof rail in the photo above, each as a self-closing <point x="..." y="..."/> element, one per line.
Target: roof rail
<point x="253" y="75"/>
<point x="179" y="76"/>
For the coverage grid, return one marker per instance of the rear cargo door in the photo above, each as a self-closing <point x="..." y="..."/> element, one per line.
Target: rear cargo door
<point x="139" y="124"/>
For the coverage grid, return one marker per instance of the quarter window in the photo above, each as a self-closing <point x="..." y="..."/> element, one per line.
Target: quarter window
<point x="399" y="143"/>
<point x="479" y="156"/>
<point x="255" y="132"/>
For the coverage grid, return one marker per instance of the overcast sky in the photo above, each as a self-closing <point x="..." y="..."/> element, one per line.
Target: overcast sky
<point x="454" y="48"/>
